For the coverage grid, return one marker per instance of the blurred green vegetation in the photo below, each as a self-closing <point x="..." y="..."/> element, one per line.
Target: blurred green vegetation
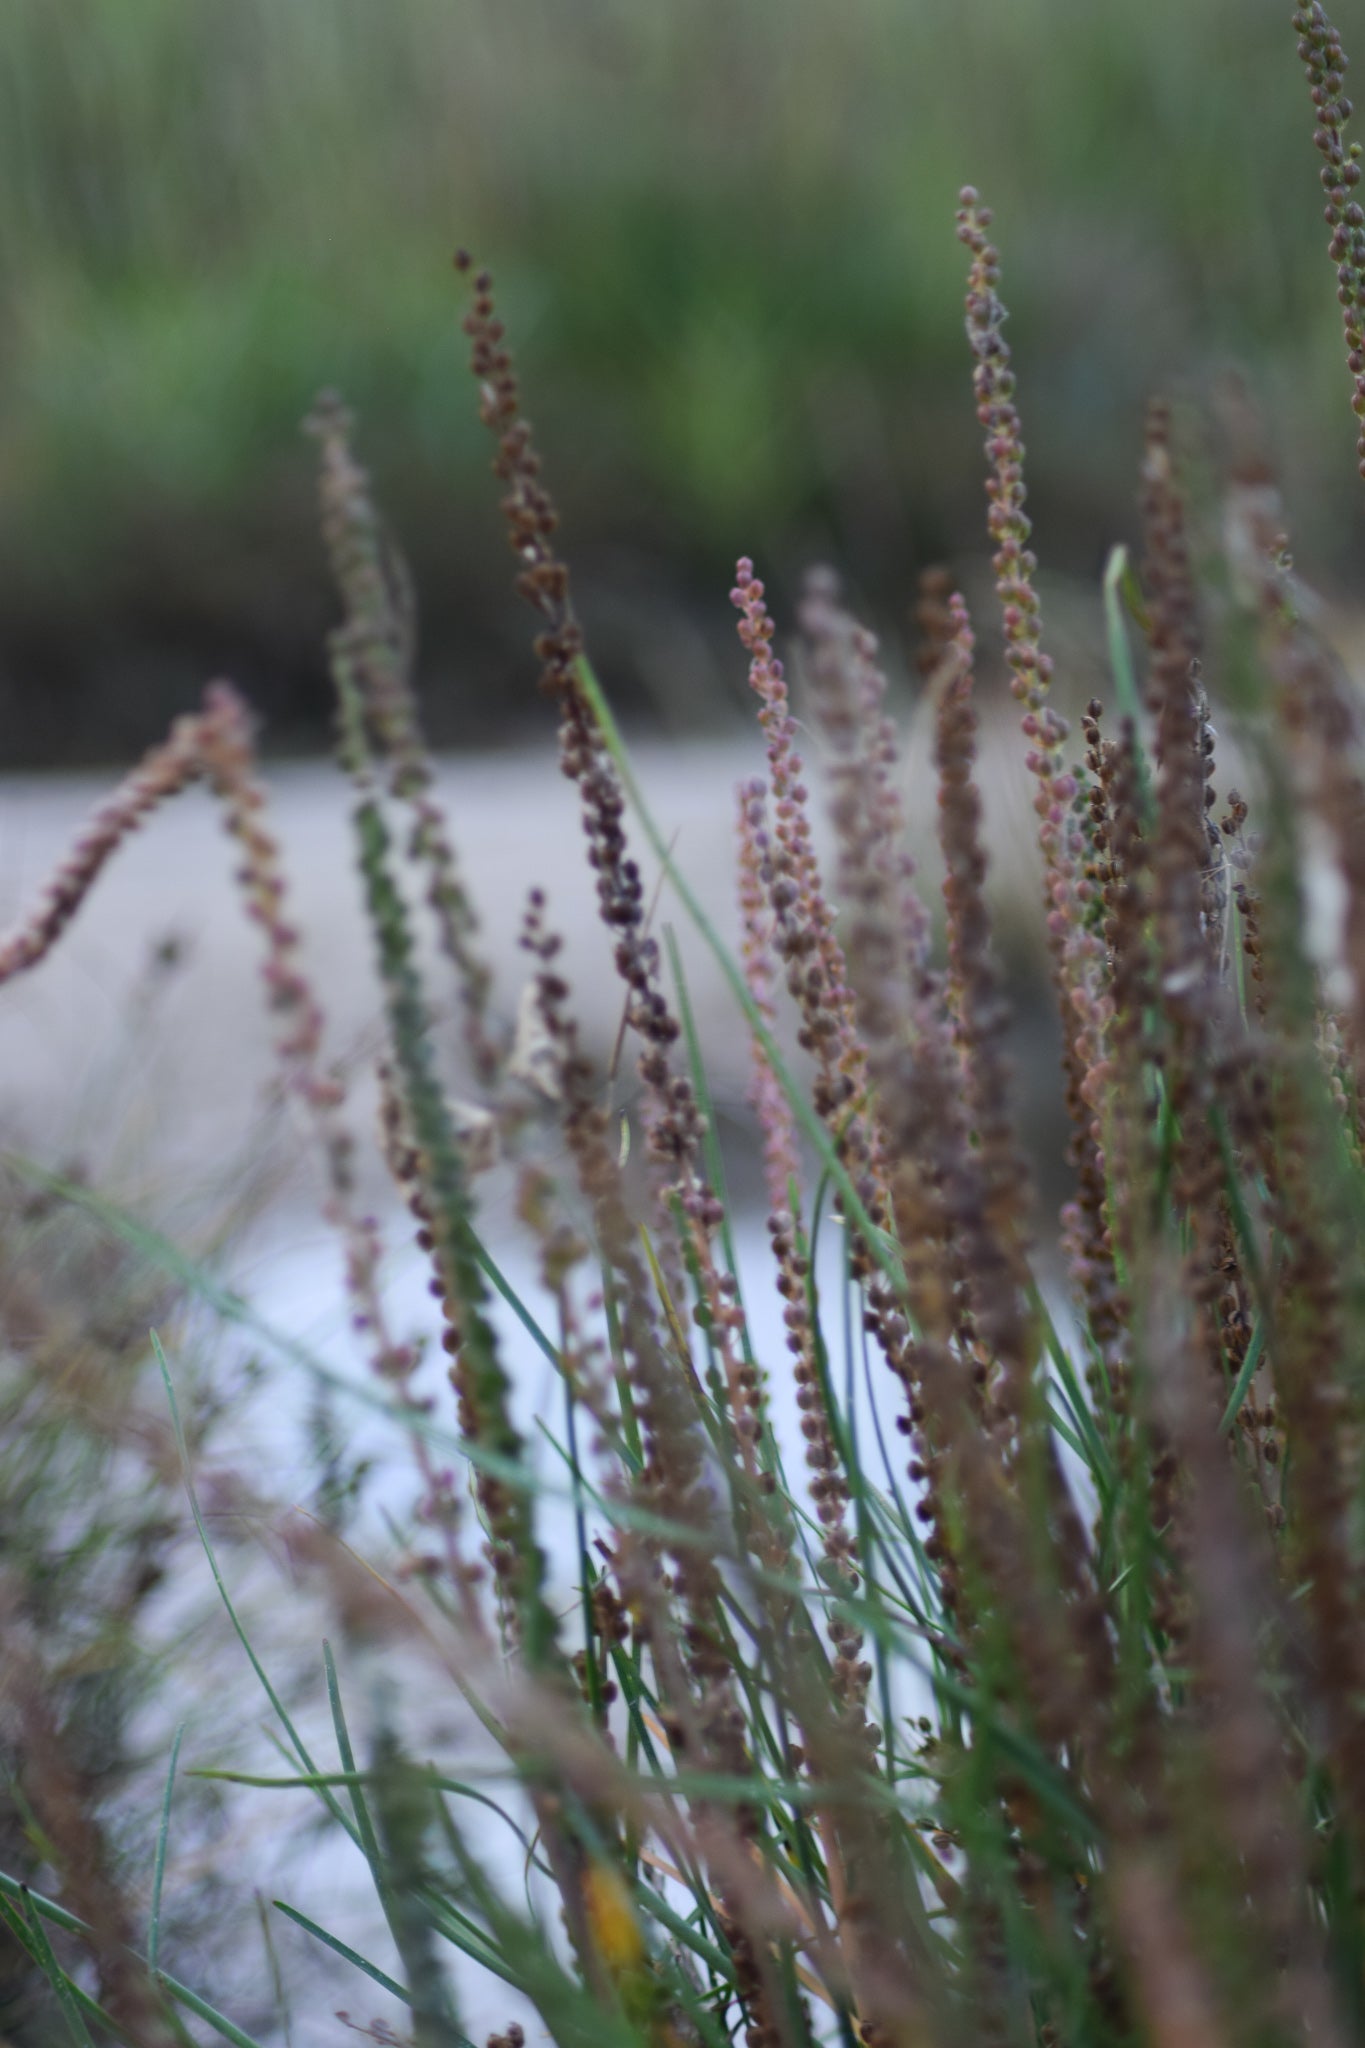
<point x="723" y="234"/>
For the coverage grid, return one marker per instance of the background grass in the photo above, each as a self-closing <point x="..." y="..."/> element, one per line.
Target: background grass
<point x="724" y="233"/>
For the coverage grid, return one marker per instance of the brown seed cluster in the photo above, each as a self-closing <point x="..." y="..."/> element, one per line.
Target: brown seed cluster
<point x="815" y="966"/>
<point x="1324" y="61"/>
<point x="829" y="1487"/>
<point x="167" y="769"/>
<point x="374" y="645"/>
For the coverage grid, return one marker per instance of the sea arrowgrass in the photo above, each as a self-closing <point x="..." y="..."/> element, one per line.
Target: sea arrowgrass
<point x="981" y="1656"/>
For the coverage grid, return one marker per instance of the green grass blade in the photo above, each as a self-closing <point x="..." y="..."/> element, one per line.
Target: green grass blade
<point x="715" y="1164"/>
<point x="1255" y="1351"/>
<point x="62" y="1987"/>
<point x="277" y="1704"/>
<point x="225" y="2028"/>
<point x="351" y="1777"/>
<point x="340" y="1948"/>
<point x="159" y="1866"/>
<point x="1120" y="587"/>
<point x="502" y="1286"/>
<point x="59" y="1916"/>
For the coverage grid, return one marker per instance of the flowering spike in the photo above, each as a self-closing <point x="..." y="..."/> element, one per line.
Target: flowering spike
<point x="1324" y="61"/>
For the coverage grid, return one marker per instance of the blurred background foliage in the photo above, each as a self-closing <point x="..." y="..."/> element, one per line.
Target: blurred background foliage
<point x="723" y="233"/>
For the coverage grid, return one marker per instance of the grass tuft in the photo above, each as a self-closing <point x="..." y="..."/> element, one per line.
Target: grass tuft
<point x="983" y="1658"/>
